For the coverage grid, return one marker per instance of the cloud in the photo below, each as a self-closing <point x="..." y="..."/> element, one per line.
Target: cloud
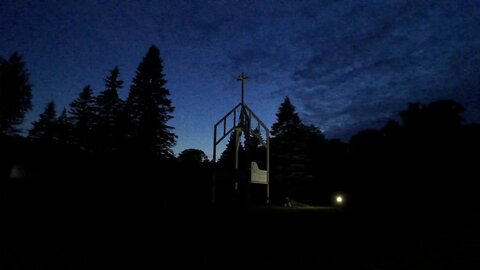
<point x="369" y="60"/>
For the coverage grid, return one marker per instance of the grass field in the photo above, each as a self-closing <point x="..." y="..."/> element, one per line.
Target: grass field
<point x="50" y="234"/>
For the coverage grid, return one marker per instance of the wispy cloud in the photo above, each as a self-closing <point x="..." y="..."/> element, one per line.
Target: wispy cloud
<point x="368" y="60"/>
<point x="349" y="64"/>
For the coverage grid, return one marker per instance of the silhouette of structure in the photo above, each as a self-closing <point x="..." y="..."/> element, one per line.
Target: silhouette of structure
<point x="240" y="120"/>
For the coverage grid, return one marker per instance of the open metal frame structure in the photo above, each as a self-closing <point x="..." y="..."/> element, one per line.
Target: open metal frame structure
<point x="241" y="118"/>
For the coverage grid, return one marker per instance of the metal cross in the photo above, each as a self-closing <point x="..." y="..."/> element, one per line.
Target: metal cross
<point x="242" y="78"/>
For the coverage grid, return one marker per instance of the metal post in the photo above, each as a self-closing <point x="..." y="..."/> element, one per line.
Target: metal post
<point x="243" y="87"/>
<point x="234" y="118"/>
<point x="224" y="126"/>
<point x="268" y="168"/>
<point x="236" y="160"/>
<point x="242" y="78"/>
<point x="214" y="162"/>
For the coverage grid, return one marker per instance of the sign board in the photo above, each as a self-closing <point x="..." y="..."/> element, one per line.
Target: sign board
<point x="258" y="176"/>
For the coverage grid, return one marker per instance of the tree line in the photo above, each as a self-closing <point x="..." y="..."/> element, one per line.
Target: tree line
<point x="99" y="124"/>
<point x="102" y="144"/>
<point x="425" y="159"/>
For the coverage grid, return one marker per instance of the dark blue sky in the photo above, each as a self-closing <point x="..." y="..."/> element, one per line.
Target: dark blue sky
<point x="347" y="65"/>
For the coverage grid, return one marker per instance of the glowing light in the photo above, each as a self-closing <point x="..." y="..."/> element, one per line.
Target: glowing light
<point x="339" y="199"/>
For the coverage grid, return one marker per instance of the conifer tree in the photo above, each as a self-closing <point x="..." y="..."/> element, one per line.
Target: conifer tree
<point x="294" y="147"/>
<point x="44" y="129"/>
<point x="288" y="120"/>
<point x="83" y="118"/>
<point x="227" y="158"/>
<point x="63" y="128"/>
<point x="109" y="107"/>
<point x="150" y="108"/>
<point x="15" y="93"/>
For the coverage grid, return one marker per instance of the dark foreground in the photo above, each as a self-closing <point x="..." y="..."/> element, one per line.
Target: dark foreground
<point x="95" y="233"/>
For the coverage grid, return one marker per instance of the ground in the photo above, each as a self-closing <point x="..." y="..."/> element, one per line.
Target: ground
<point x="109" y="235"/>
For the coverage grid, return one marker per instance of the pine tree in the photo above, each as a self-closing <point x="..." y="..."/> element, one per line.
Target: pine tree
<point x="108" y="108"/>
<point x="15" y="93"/>
<point x="44" y="129"/>
<point x="150" y="108"/>
<point x="227" y="158"/>
<point x="82" y="117"/>
<point x="63" y="128"/>
<point x="255" y="148"/>
<point x="294" y="147"/>
<point x="108" y="102"/>
<point x="288" y="120"/>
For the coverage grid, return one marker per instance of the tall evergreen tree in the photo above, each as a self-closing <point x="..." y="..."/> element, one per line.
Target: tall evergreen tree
<point x="288" y="120"/>
<point x="108" y="109"/>
<point x="227" y="158"/>
<point x="150" y="108"/>
<point x="256" y="150"/>
<point x="64" y="128"/>
<point x="15" y="93"/>
<point x="83" y="118"/>
<point x="44" y="129"/>
<point x="294" y="147"/>
<point x="108" y="101"/>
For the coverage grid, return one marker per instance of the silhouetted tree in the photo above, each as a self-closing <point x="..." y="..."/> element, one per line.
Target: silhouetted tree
<point x="330" y="170"/>
<point x="369" y="145"/>
<point x="288" y="120"/>
<point x="83" y="118"/>
<point x="109" y="107"/>
<point x="195" y="173"/>
<point x="192" y="157"/>
<point x="64" y="128"/>
<point x="255" y="148"/>
<point x="437" y="117"/>
<point x="227" y="158"/>
<point x="15" y="93"/>
<point x="44" y="129"/>
<point x="401" y="164"/>
<point x="294" y="146"/>
<point x="150" y="108"/>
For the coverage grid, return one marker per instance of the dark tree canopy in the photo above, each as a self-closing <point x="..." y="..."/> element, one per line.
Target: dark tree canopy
<point x="83" y="117"/>
<point x="150" y="108"/>
<point x="192" y="157"/>
<point x="287" y="119"/>
<point x="294" y="146"/>
<point x="15" y="93"/>
<point x="45" y="128"/>
<point x="108" y="102"/>
<point x="253" y="142"/>
<point x="63" y="128"/>
<point x="109" y="108"/>
<point x="255" y="149"/>
<point x="436" y="116"/>
<point x="227" y="158"/>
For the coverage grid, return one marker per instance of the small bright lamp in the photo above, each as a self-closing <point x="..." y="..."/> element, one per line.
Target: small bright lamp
<point x="339" y="200"/>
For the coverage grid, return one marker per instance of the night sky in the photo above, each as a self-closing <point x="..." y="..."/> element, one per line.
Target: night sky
<point x="346" y="65"/>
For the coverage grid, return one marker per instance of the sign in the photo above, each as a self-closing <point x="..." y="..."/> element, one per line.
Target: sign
<point x="258" y="176"/>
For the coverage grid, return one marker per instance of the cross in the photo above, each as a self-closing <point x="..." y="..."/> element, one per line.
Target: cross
<point x="242" y="78"/>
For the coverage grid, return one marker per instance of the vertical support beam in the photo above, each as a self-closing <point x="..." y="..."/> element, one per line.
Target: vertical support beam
<point x="249" y="123"/>
<point x="268" y="168"/>
<point x="237" y="174"/>
<point x="234" y="118"/>
<point x="214" y="163"/>
<point x="224" y="126"/>
<point x="242" y="78"/>
<point x="243" y="87"/>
